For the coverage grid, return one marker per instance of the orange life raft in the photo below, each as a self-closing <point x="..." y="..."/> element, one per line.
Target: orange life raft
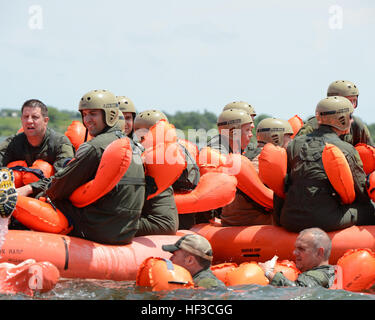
<point x="80" y="258"/>
<point x="261" y="242"/>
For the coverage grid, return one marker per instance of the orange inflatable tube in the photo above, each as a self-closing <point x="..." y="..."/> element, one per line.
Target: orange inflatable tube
<point x="273" y="167"/>
<point x="338" y="171"/>
<point x="370" y="186"/>
<point x="76" y="132"/>
<point x="214" y="190"/>
<point x="161" y="274"/>
<point x="296" y="123"/>
<point x="28" y="277"/>
<point x="80" y="258"/>
<point x="114" y="163"/>
<point x="39" y="215"/>
<point x="18" y="175"/>
<point x="221" y="270"/>
<point x="261" y="242"/>
<point x="358" y="269"/>
<point x="191" y="147"/>
<point x="246" y="273"/>
<point x="47" y="169"/>
<point x="367" y="155"/>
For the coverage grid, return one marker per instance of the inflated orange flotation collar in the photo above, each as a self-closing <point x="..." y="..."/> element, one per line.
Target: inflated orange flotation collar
<point x="163" y="157"/>
<point x="115" y="161"/>
<point x="358" y="269"/>
<point x="28" y="277"/>
<point x="24" y="175"/>
<point x="76" y="133"/>
<point x="161" y="274"/>
<point x="367" y="155"/>
<point x="246" y="273"/>
<point x="338" y="171"/>
<point x="214" y="190"/>
<point x="296" y="123"/>
<point x="273" y="167"/>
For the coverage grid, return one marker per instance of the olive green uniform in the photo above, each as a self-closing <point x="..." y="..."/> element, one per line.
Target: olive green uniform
<point x="322" y="276"/>
<point x="242" y="211"/>
<point x="55" y="149"/>
<point x="112" y="219"/>
<point x="359" y="132"/>
<point x="311" y="200"/>
<point x="206" y="279"/>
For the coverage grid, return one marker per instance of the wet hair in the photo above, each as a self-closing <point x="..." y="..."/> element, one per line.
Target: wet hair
<point x="320" y="239"/>
<point x="35" y="103"/>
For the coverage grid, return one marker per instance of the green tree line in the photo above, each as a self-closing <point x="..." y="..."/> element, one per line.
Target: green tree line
<point x="10" y="121"/>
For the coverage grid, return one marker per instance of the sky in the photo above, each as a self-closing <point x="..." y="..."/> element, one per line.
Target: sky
<point x="196" y="55"/>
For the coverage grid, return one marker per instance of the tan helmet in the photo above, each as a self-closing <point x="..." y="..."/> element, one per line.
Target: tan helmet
<point x="334" y="111"/>
<point x="272" y="130"/>
<point x="342" y="88"/>
<point x="146" y="119"/>
<point x="241" y="105"/>
<point x="233" y="119"/>
<point x="125" y="104"/>
<point x="103" y="100"/>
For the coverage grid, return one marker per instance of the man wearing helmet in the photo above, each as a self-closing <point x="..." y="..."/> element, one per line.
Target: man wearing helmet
<point x="358" y="132"/>
<point x="112" y="219"/>
<point x="159" y="214"/>
<point x="127" y="115"/>
<point x="310" y="198"/>
<point x="243" y="210"/>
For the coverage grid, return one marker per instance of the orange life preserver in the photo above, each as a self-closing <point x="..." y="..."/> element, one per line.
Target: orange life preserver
<point x="370" y="185"/>
<point x="115" y="161"/>
<point x="367" y="155"/>
<point x="221" y="270"/>
<point x="288" y="268"/>
<point x="47" y="169"/>
<point x="296" y="123"/>
<point x="163" y="157"/>
<point x="338" y="171"/>
<point x="28" y="277"/>
<point x="18" y="175"/>
<point x="211" y="160"/>
<point x="246" y="273"/>
<point x="191" y="147"/>
<point x="358" y="269"/>
<point x="39" y="215"/>
<point x="273" y="167"/>
<point x="76" y="132"/>
<point x="214" y="190"/>
<point x="248" y="181"/>
<point x="161" y="274"/>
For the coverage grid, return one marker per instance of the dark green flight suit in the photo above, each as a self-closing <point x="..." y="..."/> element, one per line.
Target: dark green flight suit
<point x="55" y="149"/>
<point x="242" y="210"/>
<point x="311" y="200"/>
<point x="322" y="276"/>
<point x="359" y="132"/>
<point x="206" y="279"/>
<point x="112" y="219"/>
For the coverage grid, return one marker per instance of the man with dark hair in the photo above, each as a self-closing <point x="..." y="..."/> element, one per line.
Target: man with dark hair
<point x="194" y="253"/>
<point x="312" y="250"/>
<point x="37" y="141"/>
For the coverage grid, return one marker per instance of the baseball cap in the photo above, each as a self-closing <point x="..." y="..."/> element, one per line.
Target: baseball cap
<point x="192" y="243"/>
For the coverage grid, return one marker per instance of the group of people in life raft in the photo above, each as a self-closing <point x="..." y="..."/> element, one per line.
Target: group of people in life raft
<point x="113" y="201"/>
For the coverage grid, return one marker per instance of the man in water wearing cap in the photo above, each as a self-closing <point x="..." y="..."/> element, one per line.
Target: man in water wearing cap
<point x="194" y="253"/>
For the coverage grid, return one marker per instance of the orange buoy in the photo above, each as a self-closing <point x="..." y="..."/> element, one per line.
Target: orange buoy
<point x="46" y="168"/>
<point x="161" y="274"/>
<point x="358" y="269"/>
<point x="249" y="182"/>
<point x="28" y="277"/>
<point x="288" y="268"/>
<point x="221" y="270"/>
<point x="338" y="171"/>
<point x="296" y="123"/>
<point x="214" y="190"/>
<point x="76" y="132"/>
<point x="18" y="175"/>
<point x="246" y="273"/>
<point x="272" y="168"/>
<point x="367" y="155"/>
<point x="115" y="161"/>
<point x="40" y="216"/>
